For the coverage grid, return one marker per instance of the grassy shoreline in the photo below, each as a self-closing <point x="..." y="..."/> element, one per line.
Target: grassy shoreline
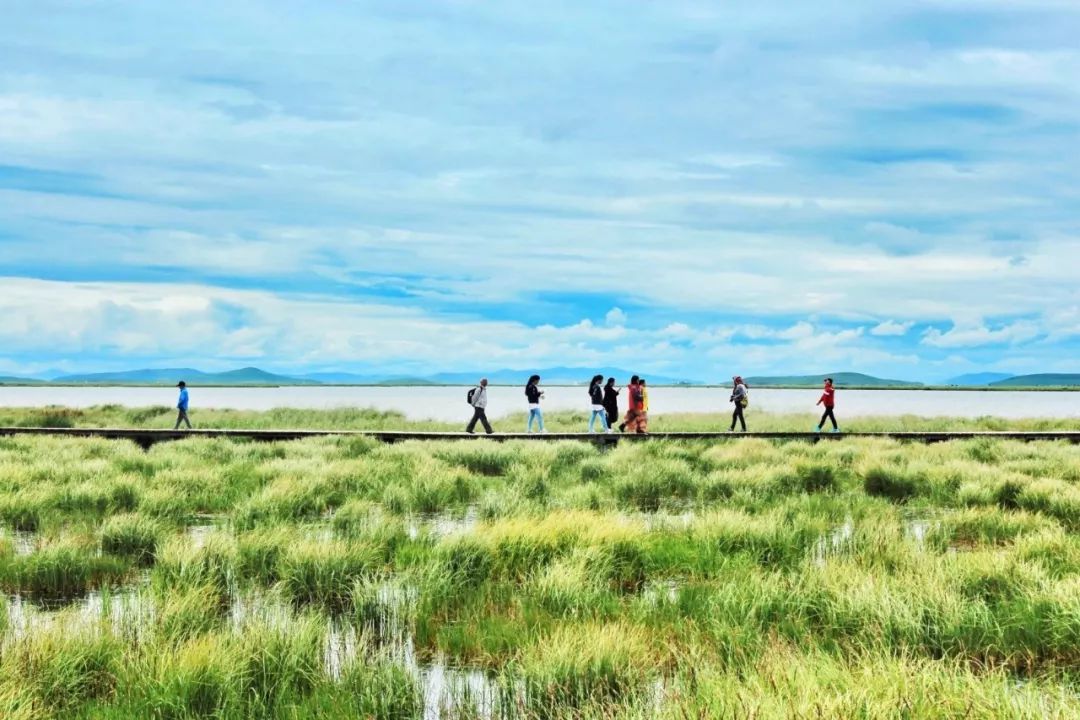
<point x="162" y="416"/>
<point x="339" y="577"/>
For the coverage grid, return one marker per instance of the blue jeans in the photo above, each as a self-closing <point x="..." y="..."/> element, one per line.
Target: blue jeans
<point x="602" y="414"/>
<point x="539" y="416"/>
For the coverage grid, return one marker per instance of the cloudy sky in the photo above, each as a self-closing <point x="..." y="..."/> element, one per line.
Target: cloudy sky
<point x="683" y="187"/>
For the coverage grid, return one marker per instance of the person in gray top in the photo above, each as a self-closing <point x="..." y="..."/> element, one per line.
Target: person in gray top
<point x="478" y="400"/>
<point x="741" y="397"/>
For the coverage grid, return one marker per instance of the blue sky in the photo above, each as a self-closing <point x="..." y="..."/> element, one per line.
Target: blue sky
<point x="686" y="188"/>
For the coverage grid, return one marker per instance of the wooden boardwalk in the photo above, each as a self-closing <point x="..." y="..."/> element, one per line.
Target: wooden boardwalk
<point x="146" y="438"/>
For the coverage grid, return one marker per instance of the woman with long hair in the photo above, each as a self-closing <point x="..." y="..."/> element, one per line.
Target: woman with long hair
<point x="611" y="402"/>
<point x="596" y="398"/>
<point x="533" y="393"/>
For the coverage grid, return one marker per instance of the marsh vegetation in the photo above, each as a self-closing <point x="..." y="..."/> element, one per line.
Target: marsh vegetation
<point x="341" y="578"/>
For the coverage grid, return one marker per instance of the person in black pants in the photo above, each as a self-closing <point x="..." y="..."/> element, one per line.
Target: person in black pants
<point x="739" y="397"/>
<point x="479" y="403"/>
<point x="611" y="402"/>
<point x="828" y="399"/>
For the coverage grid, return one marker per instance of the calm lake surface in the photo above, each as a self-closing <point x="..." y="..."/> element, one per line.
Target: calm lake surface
<point x="448" y="403"/>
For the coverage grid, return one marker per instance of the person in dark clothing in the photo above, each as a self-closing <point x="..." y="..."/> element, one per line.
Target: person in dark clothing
<point x="479" y="403"/>
<point x="611" y="402"/>
<point x="739" y="396"/>
<point x="828" y="399"/>
<point x="533" y="393"/>
<point x="596" y="398"/>
<point x="182" y="406"/>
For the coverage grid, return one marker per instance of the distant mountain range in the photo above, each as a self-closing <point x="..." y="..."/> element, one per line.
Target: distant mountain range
<point x="1040" y="380"/>
<point x="252" y="376"/>
<point x="170" y="376"/>
<point x="550" y="376"/>
<point x="841" y="378"/>
<point x="9" y="380"/>
<point x="255" y="376"/>
<point x="977" y="379"/>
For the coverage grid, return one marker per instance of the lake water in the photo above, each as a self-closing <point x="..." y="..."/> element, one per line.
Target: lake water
<point x="448" y="403"/>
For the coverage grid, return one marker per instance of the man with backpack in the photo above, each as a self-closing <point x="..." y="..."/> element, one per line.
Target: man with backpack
<point x="477" y="397"/>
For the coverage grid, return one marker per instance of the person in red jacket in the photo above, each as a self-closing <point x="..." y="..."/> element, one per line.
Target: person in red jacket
<point x="828" y="399"/>
<point x="633" y="406"/>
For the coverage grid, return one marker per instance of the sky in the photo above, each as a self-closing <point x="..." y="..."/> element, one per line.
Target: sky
<point x="693" y="189"/>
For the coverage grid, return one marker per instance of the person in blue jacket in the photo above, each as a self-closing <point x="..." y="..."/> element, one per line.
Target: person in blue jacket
<point x="182" y="406"/>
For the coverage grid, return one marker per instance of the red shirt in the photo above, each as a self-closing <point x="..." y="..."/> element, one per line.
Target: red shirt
<point x="827" y="397"/>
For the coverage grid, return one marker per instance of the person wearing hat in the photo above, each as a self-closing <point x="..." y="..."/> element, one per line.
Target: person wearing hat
<point x="741" y="397"/>
<point x="182" y="406"/>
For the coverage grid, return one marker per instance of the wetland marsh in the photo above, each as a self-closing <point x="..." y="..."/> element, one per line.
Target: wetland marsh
<point x="341" y="578"/>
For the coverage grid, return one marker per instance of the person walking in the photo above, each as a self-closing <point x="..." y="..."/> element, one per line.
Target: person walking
<point x="596" y="398"/>
<point x="611" y="402"/>
<point x="182" y="406"/>
<point x="828" y="399"/>
<point x="631" y="411"/>
<point x="477" y="397"/>
<point x="642" y="425"/>
<point x="741" y="397"/>
<point x="533" y="393"/>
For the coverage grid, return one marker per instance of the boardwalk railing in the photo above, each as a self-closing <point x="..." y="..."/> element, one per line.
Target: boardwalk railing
<point x="146" y="438"/>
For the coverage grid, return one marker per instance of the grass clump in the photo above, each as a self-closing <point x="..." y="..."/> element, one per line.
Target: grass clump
<point x="60" y="572"/>
<point x="132" y="536"/>
<point x="584" y="667"/>
<point x="325" y="572"/>
<point x="378" y="688"/>
<point x="21" y="511"/>
<point x="809" y="478"/>
<point x="898" y="484"/>
<point x="652" y="485"/>
<point x="61" y="671"/>
<point x="214" y="565"/>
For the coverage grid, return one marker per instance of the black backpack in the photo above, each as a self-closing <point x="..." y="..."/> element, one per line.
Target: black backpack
<point x="469" y="395"/>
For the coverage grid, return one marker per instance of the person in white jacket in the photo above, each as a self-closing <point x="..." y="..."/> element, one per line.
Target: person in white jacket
<point x="478" y="400"/>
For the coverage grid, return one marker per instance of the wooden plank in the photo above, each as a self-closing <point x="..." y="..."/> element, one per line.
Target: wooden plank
<point x="147" y="437"/>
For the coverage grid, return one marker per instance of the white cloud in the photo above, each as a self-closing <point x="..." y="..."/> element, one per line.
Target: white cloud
<point x="680" y="331"/>
<point x="799" y="331"/>
<point x="968" y="336"/>
<point x="615" y="316"/>
<point x="891" y="328"/>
